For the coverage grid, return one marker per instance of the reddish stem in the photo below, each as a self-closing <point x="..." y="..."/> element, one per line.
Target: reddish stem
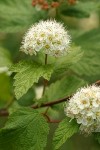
<point x="4" y="112"/>
<point x="49" y="120"/>
<point x="52" y="103"/>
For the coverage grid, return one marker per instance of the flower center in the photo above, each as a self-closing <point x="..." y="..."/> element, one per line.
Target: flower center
<point x="84" y="102"/>
<point x="47" y="46"/>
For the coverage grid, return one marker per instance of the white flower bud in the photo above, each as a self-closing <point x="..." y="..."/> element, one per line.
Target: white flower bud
<point x="87" y="103"/>
<point x="49" y="36"/>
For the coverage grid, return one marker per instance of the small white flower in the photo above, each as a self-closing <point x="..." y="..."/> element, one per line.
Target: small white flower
<point x="49" y="37"/>
<point x="84" y="106"/>
<point x="83" y="103"/>
<point x="96" y="102"/>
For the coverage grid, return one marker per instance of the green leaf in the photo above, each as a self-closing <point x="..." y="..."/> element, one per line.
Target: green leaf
<point x="62" y="88"/>
<point x="17" y="15"/>
<point x="14" y="107"/>
<point x="97" y="136"/>
<point x="64" y="131"/>
<point x="90" y="62"/>
<point x="27" y="74"/>
<point x="28" y="98"/>
<point x="73" y="12"/>
<point x="89" y="39"/>
<point x="5" y="58"/>
<point x="25" y="129"/>
<point x="62" y="64"/>
<point x="80" y="9"/>
<point x="88" y="6"/>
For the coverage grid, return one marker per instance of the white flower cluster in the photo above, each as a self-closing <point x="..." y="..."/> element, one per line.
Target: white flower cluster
<point x="84" y="106"/>
<point x="48" y="36"/>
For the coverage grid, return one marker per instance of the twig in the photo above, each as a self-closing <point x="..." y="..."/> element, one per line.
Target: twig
<point x="49" y="120"/>
<point x="55" y="121"/>
<point x="4" y="112"/>
<point x="52" y="103"/>
<point x="46" y="110"/>
<point x="45" y="81"/>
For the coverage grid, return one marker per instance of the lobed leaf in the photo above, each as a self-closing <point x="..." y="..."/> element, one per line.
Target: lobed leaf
<point x="62" y="88"/>
<point x="25" y="129"/>
<point x="64" y="131"/>
<point x="29" y="73"/>
<point x="90" y="62"/>
<point x="62" y="64"/>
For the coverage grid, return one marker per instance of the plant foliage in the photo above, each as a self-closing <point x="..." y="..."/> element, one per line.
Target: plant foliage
<point x="27" y="74"/>
<point x="64" y="131"/>
<point x="27" y="129"/>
